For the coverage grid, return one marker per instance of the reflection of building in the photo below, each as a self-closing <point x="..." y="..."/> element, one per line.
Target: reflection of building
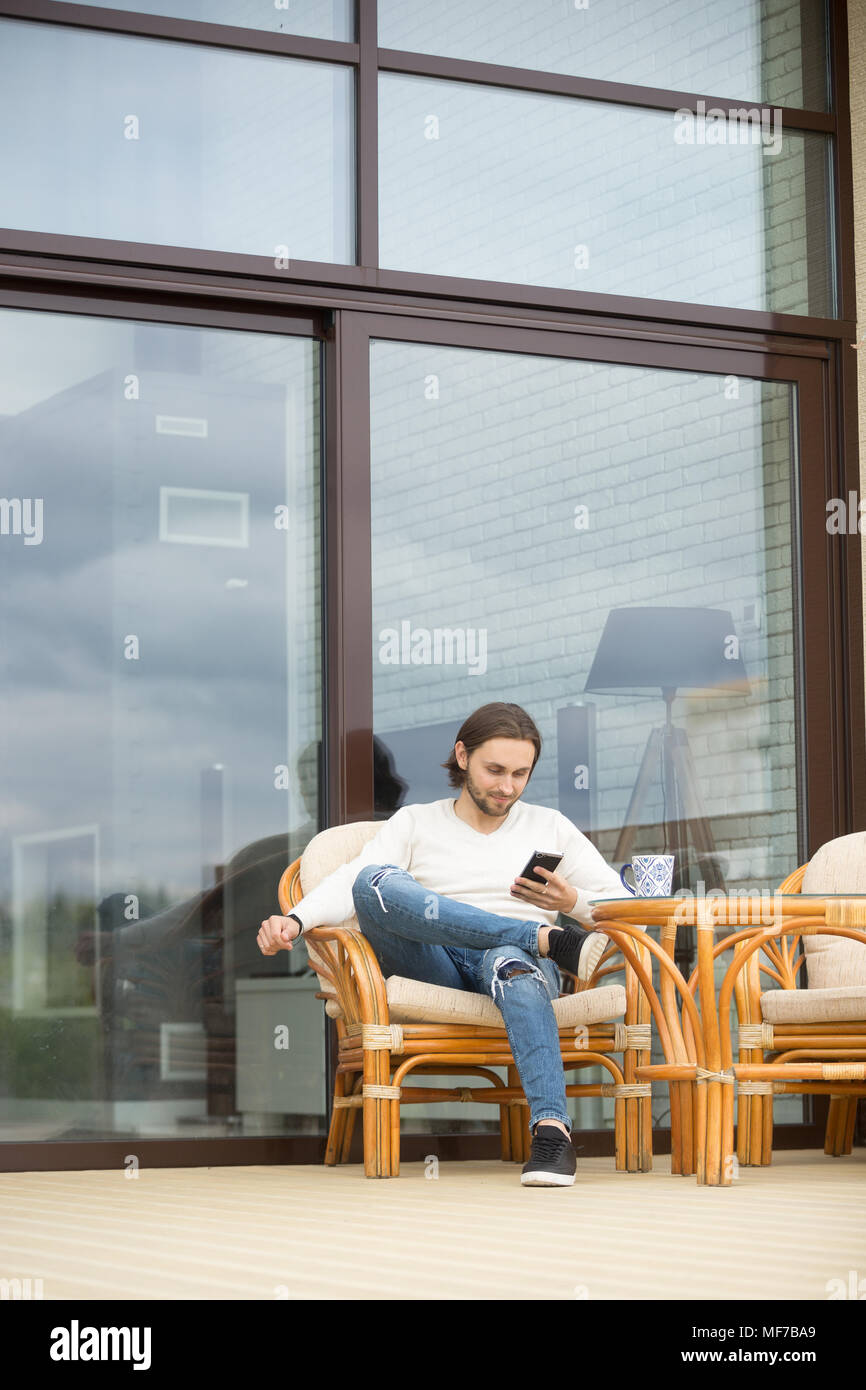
<point x="281" y="388"/>
<point x="170" y="591"/>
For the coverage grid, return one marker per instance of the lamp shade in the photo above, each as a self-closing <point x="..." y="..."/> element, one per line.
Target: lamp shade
<point x="668" y="649"/>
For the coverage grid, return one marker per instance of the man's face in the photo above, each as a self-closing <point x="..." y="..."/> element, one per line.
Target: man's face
<point x="497" y="772"/>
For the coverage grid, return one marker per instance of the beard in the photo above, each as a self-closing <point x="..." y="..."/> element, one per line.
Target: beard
<point x="484" y="801"/>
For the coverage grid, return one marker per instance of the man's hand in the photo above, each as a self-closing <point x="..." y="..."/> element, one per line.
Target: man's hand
<point x="277" y="934"/>
<point x="558" y="896"/>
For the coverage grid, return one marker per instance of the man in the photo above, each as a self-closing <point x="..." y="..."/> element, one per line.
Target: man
<point x="439" y="895"/>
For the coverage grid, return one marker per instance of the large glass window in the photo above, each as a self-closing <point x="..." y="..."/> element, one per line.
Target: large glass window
<point x="175" y="144"/>
<point x="535" y="189"/>
<point x="160" y="726"/>
<point x="742" y="49"/>
<point x="540" y="500"/>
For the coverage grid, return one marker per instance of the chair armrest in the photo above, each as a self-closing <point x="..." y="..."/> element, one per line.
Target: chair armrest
<point x="794" y="882"/>
<point x="638" y="1009"/>
<point x="349" y="963"/>
<point x="680" y="1041"/>
<point x="289" y="892"/>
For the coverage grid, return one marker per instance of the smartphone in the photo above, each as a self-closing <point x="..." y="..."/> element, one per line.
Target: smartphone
<point x="547" y="861"/>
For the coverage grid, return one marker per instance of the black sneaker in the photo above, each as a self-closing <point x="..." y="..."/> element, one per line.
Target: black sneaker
<point x="593" y="949"/>
<point x="576" y="951"/>
<point x="552" y="1160"/>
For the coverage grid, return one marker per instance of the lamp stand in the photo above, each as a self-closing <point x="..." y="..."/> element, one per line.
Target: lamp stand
<point x="684" y="810"/>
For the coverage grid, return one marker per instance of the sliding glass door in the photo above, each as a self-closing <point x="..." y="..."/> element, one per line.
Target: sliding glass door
<point x="612" y="545"/>
<point x="160" y="725"/>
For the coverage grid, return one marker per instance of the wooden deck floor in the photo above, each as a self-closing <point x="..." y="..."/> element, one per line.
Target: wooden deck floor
<point x="472" y="1232"/>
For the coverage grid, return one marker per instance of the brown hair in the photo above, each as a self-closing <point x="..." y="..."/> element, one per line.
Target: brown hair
<point x="496" y="720"/>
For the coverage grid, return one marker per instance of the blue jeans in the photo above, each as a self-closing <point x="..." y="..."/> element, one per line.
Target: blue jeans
<point x="425" y="936"/>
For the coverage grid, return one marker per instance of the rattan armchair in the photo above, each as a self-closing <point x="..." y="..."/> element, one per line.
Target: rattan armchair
<point x="387" y="1030"/>
<point x="806" y="1040"/>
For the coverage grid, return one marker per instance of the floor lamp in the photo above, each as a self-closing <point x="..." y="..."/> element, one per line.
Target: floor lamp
<point x="670" y="649"/>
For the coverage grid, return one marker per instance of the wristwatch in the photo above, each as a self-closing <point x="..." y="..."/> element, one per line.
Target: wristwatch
<point x="298" y="920"/>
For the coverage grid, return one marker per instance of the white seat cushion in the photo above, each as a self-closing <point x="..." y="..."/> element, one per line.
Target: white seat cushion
<point x="838" y="867"/>
<point x="844" y="1004"/>
<point x="331" y="848"/>
<point x="414" y="1001"/>
<point x="325" y="853"/>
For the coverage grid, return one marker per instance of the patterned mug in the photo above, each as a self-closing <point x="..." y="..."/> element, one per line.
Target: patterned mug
<point x="653" y="875"/>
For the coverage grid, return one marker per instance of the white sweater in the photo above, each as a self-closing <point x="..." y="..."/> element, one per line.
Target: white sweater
<point x="448" y="856"/>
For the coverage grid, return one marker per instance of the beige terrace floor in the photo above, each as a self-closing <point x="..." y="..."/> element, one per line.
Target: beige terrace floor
<point x="472" y="1233"/>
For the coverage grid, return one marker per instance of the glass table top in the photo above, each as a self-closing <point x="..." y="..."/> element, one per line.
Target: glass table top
<point x="717" y="895"/>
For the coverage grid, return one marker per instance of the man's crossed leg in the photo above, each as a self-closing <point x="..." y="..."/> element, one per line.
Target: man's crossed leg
<point x="426" y="936"/>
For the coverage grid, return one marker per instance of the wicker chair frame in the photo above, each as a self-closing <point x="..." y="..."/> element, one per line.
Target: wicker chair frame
<point x="376" y="1057"/>
<point x="824" y="1053"/>
<point x="819" y="1058"/>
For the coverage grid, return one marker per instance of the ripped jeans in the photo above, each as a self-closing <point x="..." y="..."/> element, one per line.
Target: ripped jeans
<point x="425" y="936"/>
